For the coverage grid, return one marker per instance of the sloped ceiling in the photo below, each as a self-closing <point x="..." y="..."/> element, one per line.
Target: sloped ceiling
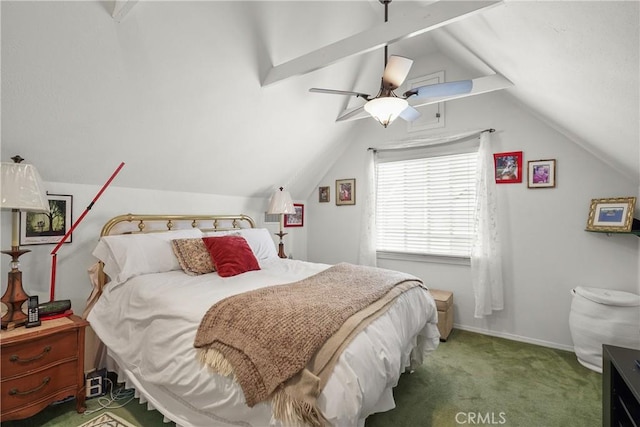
<point x="576" y="65"/>
<point x="174" y="88"/>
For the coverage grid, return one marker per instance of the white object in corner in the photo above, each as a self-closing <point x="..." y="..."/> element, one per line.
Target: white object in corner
<point x="603" y="316"/>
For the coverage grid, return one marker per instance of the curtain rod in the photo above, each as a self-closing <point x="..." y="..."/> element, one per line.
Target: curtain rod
<point x="415" y="143"/>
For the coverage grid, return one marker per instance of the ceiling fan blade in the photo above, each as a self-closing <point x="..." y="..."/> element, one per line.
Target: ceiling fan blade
<point x="409" y="114"/>
<point x="480" y="85"/>
<point x="441" y="89"/>
<point x="353" y="114"/>
<point x="339" y="92"/>
<point x="396" y="71"/>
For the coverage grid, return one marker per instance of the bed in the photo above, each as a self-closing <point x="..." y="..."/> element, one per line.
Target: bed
<point x="149" y="306"/>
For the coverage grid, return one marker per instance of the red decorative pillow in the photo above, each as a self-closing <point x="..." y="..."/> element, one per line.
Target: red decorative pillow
<point x="231" y="255"/>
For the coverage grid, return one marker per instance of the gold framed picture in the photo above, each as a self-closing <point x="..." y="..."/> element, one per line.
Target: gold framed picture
<point x="323" y="194"/>
<point x="611" y="215"/>
<point x="345" y="192"/>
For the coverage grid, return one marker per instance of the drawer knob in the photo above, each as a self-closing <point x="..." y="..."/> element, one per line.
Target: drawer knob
<point x="15" y="391"/>
<point x="15" y="358"/>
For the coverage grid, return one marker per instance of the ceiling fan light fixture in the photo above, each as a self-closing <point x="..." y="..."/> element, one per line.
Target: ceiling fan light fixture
<point x="385" y="110"/>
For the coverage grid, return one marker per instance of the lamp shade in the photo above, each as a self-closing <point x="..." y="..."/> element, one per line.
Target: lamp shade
<point x="386" y="109"/>
<point x="22" y="188"/>
<point x="281" y="203"/>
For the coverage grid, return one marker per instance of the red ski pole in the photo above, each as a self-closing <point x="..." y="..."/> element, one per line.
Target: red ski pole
<point x="54" y="258"/>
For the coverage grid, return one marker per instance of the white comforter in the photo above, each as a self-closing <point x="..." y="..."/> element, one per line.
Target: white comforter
<point x="149" y="324"/>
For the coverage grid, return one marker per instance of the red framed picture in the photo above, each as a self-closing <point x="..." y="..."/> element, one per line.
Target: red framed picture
<point x="508" y="167"/>
<point x="296" y="219"/>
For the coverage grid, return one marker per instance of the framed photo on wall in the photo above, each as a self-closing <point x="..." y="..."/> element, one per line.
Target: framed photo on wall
<point x="611" y="215"/>
<point x="296" y="219"/>
<point x="323" y="194"/>
<point x="47" y="228"/>
<point x="541" y="173"/>
<point x="345" y="191"/>
<point x="508" y="167"/>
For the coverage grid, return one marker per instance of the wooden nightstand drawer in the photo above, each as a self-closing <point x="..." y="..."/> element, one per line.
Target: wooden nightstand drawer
<point x="34" y="387"/>
<point x="37" y="353"/>
<point x="41" y="365"/>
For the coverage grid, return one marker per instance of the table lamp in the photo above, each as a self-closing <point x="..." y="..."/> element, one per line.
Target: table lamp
<point x="281" y="204"/>
<point x="22" y="190"/>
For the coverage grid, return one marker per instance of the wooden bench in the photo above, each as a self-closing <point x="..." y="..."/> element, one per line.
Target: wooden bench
<point x="444" y="302"/>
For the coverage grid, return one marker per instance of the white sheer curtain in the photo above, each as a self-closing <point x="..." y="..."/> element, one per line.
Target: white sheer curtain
<point x="367" y="252"/>
<point x="486" y="257"/>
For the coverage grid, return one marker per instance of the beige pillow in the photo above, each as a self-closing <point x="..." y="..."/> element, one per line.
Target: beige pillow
<point x="193" y="256"/>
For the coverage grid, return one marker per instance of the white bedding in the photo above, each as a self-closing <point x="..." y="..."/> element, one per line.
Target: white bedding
<point x="149" y="324"/>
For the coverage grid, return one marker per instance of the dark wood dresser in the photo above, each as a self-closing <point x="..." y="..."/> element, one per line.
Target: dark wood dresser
<point x="41" y="365"/>
<point x="620" y="386"/>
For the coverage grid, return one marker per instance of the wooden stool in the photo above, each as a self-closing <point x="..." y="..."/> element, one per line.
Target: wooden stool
<point x="444" y="302"/>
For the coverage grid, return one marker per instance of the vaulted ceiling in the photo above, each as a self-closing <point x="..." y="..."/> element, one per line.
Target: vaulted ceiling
<point x="177" y="89"/>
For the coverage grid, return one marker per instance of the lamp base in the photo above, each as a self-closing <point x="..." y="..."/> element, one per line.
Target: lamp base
<point x="281" y="253"/>
<point x="15" y="296"/>
<point x="13" y="299"/>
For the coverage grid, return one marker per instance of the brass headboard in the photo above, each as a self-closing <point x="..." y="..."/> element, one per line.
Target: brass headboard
<point x="169" y="222"/>
<point x="136" y="223"/>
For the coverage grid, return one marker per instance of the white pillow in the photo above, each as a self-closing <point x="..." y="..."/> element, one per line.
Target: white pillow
<point x="130" y="255"/>
<point x="103" y="253"/>
<point x="260" y="242"/>
<point x="220" y="233"/>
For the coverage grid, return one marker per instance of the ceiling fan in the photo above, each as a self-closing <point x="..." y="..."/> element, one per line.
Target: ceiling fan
<point x="386" y="106"/>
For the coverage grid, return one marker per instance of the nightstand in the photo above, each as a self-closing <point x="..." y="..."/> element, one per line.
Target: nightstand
<point x="41" y="365"/>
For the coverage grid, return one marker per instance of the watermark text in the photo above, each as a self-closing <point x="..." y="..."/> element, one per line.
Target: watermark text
<point x="481" y="418"/>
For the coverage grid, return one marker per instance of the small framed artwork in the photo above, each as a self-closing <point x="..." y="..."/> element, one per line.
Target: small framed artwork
<point x="508" y="167"/>
<point x="323" y="194"/>
<point x="296" y="219"/>
<point x="541" y="173"/>
<point x="47" y="228"/>
<point x="611" y="215"/>
<point x="345" y="191"/>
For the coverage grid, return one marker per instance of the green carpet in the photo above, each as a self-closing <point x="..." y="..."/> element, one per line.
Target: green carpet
<point x="471" y="380"/>
<point x="475" y="379"/>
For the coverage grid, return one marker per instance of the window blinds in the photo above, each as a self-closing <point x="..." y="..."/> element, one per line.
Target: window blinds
<point x="425" y="205"/>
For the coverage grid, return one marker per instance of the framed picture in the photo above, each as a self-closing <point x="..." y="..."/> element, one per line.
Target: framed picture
<point x="323" y="194"/>
<point x="541" y="173"/>
<point x="611" y="215"/>
<point x="345" y="191"/>
<point x="296" y="219"/>
<point x="508" y="167"/>
<point x="47" y="228"/>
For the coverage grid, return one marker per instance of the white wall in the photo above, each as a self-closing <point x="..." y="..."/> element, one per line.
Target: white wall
<point x="72" y="281"/>
<point x="546" y="250"/>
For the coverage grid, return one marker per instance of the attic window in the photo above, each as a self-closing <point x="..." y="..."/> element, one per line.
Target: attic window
<point x="425" y="205"/>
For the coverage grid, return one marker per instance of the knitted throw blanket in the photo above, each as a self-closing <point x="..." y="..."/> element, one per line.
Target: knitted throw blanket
<point x="281" y="342"/>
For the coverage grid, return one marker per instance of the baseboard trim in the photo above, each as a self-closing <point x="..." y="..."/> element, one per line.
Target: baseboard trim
<point x="513" y="337"/>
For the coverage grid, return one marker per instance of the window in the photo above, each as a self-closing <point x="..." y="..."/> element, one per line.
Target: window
<point x="425" y="201"/>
